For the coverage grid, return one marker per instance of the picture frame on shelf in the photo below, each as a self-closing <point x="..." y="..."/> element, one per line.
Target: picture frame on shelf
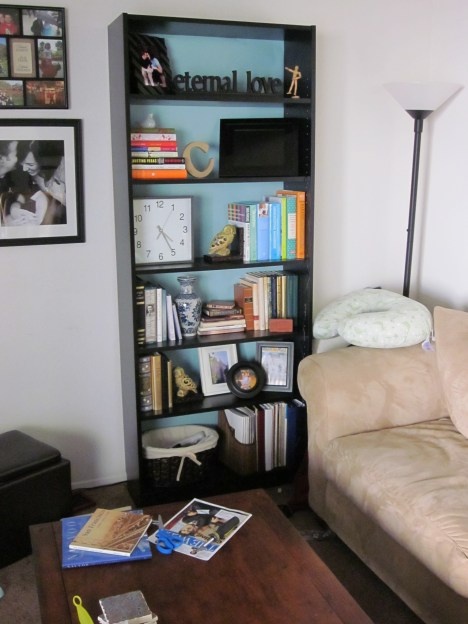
<point x="33" y="57"/>
<point x="150" y="68"/>
<point x="276" y="359"/>
<point x="246" y="379"/>
<point x="41" y="182"/>
<point x="215" y="363"/>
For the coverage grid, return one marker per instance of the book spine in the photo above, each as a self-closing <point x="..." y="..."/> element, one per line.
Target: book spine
<point x="253" y="208"/>
<point x="140" y="312"/>
<point x="158" y="160"/>
<point x="158" y="152"/>
<point x="274" y="238"/>
<point x="159" y="315"/>
<point x="263" y="231"/>
<point x="160" y="174"/>
<point x="144" y="382"/>
<point x="170" y="319"/>
<point x="156" y="381"/>
<point x="151" y="167"/>
<point x="153" y="136"/>
<point x="243" y="296"/>
<point x="150" y="314"/>
<point x="164" y="144"/>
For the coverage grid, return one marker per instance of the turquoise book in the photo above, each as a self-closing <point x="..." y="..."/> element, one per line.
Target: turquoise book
<point x="263" y="231"/>
<point x="80" y="558"/>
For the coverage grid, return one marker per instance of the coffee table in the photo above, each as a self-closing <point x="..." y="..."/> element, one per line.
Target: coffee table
<point x="266" y="574"/>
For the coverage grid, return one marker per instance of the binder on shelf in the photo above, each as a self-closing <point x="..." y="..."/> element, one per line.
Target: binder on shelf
<point x="241" y="458"/>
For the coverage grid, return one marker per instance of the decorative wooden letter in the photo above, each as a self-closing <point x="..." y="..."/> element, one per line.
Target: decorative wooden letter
<point x="193" y="171"/>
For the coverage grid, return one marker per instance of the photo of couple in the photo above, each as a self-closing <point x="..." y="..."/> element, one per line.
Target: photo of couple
<point x="32" y="183"/>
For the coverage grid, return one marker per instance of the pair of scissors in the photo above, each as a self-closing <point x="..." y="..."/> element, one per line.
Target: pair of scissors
<point x="167" y="540"/>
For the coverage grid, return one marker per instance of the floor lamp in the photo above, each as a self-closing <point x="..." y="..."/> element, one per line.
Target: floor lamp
<point x="419" y="100"/>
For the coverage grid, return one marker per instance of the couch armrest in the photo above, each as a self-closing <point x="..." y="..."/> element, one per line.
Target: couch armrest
<point x="358" y="389"/>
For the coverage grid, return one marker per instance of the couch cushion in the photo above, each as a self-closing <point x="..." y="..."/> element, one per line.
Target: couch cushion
<point x="451" y="332"/>
<point x="413" y="481"/>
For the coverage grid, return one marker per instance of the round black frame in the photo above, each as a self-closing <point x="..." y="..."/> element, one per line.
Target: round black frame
<point x="255" y="369"/>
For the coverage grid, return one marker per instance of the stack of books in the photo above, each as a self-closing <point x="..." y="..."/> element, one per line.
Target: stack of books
<point x="155" y="154"/>
<point x="221" y="317"/>
<point x="273" y="227"/>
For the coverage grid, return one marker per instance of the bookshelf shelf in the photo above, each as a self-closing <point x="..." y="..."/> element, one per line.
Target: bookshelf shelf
<point x="259" y="55"/>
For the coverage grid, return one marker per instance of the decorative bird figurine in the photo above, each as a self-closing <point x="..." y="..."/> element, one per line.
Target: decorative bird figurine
<point x="183" y="382"/>
<point x="220" y="245"/>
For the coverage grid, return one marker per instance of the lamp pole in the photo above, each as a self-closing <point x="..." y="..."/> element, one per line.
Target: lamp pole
<point x="418" y="117"/>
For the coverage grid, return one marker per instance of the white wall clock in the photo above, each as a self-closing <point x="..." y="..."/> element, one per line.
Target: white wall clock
<point x="163" y="230"/>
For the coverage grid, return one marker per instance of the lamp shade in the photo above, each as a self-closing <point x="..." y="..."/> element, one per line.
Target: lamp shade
<point x="421" y="96"/>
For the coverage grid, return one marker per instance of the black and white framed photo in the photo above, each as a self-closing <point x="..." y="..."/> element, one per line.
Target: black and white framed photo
<point x="215" y="363"/>
<point x="41" y="186"/>
<point x="33" y="57"/>
<point x="246" y="379"/>
<point x="276" y="359"/>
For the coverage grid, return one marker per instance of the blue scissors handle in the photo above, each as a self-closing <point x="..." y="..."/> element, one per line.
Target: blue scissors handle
<point x="167" y="541"/>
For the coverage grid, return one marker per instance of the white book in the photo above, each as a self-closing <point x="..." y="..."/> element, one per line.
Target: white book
<point x="177" y="328"/>
<point x="171" y="335"/>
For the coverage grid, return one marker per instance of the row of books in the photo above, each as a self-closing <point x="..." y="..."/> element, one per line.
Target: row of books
<point x="263" y="437"/>
<point x="155" y="155"/>
<point x="156" y="383"/>
<point x="157" y="318"/>
<point x="274" y="228"/>
<point x="266" y="295"/>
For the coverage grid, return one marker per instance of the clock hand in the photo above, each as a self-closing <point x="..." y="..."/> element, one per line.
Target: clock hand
<point x="167" y="239"/>
<point x="161" y="231"/>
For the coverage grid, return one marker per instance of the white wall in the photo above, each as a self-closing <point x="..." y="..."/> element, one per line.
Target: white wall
<point x="59" y="362"/>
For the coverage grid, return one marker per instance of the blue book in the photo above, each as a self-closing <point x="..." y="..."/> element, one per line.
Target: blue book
<point x="263" y="231"/>
<point x="81" y="558"/>
<point x="275" y="231"/>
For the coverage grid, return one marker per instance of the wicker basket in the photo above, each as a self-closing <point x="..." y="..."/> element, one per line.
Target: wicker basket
<point x="168" y="464"/>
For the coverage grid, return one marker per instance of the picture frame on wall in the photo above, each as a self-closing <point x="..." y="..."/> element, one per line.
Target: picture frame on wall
<point x="41" y="182"/>
<point x="276" y="359"/>
<point x="33" y="57"/>
<point x="215" y="363"/>
<point x="150" y="68"/>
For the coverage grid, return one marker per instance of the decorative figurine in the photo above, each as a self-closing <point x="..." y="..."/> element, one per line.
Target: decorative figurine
<point x="296" y="76"/>
<point x="183" y="382"/>
<point x="221" y="243"/>
<point x="149" y="121"/>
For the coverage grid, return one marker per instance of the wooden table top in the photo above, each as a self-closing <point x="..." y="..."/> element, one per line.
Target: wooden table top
<point x="265" y="574"/>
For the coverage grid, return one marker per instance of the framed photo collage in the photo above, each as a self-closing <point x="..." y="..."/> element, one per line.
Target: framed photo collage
<point x="33" y="64"/>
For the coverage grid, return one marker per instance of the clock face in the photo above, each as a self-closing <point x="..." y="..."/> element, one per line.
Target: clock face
<point x="163" y="230"/>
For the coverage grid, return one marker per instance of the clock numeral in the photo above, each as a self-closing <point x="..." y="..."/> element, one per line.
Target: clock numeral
<point x="138" y="244"/>
<point x="182" y="242"/>
<point x="135" y="231"/>
<point x="181" y="217"/>
<point x="138" y="218"/>
<point x="185" y="229"/>
<point x="148" y="253"/>
<point x="173" y="252"/>
<point x="161" y="256"/>
<point x="147" y="207"/>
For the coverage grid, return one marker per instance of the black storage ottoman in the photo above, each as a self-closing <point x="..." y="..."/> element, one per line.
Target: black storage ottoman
<point x="35" y="487"/>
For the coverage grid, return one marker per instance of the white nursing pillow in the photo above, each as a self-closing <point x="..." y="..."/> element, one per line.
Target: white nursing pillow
<point x="373" y="317"/>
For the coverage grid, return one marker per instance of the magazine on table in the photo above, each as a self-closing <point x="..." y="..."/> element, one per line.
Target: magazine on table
<point x="204" y="527"/>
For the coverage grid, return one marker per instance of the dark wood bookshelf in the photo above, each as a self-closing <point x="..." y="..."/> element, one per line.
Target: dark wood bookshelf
<point x="297" y="47"/>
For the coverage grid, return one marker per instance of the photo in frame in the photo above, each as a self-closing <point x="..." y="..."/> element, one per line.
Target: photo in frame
<point x="33" y="63"/>
<point x="150" y="68"/>
<point x="215" y="363"/>
<point x="276" y="359"/>
<point x="41" y="186"/>
<point x="246" y="379"/>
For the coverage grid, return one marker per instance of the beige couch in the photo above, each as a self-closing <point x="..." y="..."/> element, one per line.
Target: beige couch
<point x="388" y="462"/>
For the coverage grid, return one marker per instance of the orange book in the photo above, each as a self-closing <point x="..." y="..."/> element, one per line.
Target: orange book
<point x="243" y="296"/>
<point x="160" y="174"/>
<point x="300" y="221"/>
